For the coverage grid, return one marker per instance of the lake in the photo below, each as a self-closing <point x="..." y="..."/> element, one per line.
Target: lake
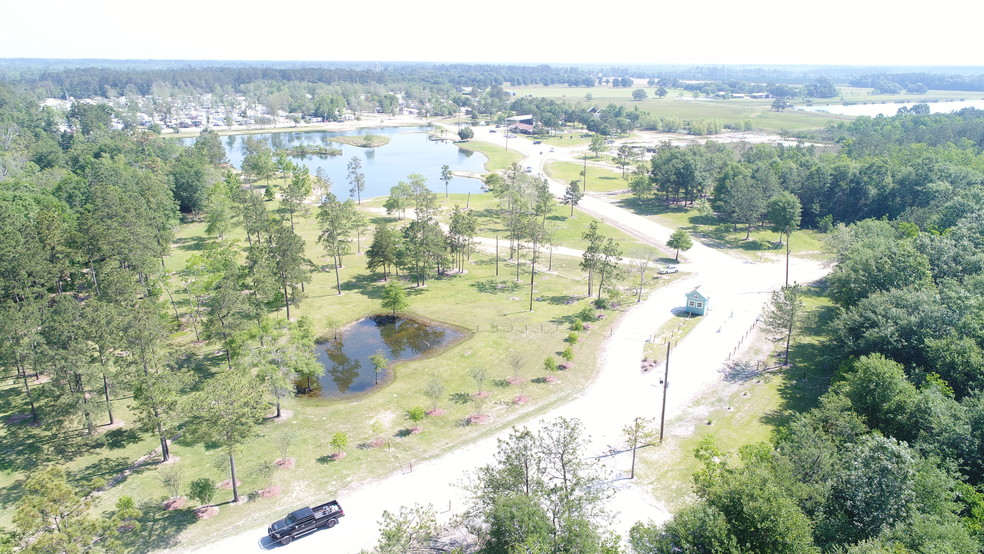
<point x="346" y="360"/>
<point x="409" y="151"/>
<point x="891" y="108"/>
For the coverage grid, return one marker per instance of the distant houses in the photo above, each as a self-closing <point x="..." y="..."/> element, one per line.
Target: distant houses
<point x="521" y="123"/>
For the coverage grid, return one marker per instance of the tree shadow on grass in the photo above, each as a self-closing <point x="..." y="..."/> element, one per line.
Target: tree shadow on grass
<point x="740" y="371"/>
<point x="803" y="383"/>
<point x="120" y="438"/>
<point x="648" y="206"/>
<point x="366" y="284"/>
<point x="561" y="299"/>
<point x="192" y="244"/>
<point x="159" y="528"/>
<point x="496" y="286"/>
<point x="102" y="469"/>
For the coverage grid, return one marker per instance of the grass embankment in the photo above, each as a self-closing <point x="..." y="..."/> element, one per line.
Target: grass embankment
<point x="494" y="311"/>
<point x="498" y="157"/>
<point x="748" y="408"/>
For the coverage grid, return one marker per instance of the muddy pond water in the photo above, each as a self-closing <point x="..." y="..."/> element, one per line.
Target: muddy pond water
<point x="348" y="370"/>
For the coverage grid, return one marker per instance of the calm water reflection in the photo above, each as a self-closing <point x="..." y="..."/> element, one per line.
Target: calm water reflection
<point x="409" y="151"/>
<point x="346" y="360"/>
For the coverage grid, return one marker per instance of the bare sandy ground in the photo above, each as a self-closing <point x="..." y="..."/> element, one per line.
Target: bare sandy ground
<point x="620" y="392"/>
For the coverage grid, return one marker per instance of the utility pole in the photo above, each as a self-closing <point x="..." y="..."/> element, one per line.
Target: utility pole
<point x="497" y="255"/>
<point x="788" y="233"/>
<point x="666" y="383"/>
<point x="584" y="172"/>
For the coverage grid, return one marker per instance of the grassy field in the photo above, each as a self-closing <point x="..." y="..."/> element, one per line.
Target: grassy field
<point x="718" y="233"/>
<point x="680" y="104"/>
<point x="492" y="311"/>
<point x="599" y="179"/>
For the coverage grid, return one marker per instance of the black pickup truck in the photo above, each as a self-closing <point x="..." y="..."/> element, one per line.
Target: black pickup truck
<point x="304" y="521"/>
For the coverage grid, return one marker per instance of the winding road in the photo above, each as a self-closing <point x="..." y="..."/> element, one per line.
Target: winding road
<point x="620" y="392"/>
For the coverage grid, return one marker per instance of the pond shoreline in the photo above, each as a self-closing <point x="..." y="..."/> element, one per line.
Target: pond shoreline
<point x="389" y="375"/>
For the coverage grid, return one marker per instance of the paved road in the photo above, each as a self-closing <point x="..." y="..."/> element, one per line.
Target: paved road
<point x="621" y="392"/>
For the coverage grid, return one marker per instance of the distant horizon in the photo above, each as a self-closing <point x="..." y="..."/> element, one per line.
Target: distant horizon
<point x="322" y="62"/>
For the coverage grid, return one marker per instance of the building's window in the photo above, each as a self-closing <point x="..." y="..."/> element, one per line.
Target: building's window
<point x="690" y="303"/>
<point x="700" y="304"/>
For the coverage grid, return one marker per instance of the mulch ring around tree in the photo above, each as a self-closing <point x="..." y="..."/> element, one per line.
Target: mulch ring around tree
<point x="284" y="416"/>
<point x="515" y="380"/>
<point x="521" y="399"/>
<point x="175" y="503"/>
<point x="206" y="512"/>
<point x="551" y="379"/>
<point x="436" y="412"/>
<point x="286" y="463"/>
<point x="416" y="430"/>
<point x="478" y="419"/>
<point x="271" y="491"/>
<point x="376" y="443"/>
<point x="337" y="456"/>
<point x="227" y="484"/>
<point x="481" y="394"/>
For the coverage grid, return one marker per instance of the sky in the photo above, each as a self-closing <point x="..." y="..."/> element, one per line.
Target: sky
<point x="834" y="32"/>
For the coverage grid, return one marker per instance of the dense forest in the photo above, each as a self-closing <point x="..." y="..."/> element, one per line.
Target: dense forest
<point x="891" y="460"/>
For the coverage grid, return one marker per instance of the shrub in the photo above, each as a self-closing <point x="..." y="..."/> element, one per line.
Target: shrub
<point x="826" y="224"/>
<point x="416" y="415"/>
<point x="170" y="478"/>
<point x="338" y="441"/>
<point x="568" y="353"/>
<point x="586" y="314"/>
<point x="202" y="490"/>
<point x="550" y="364"/>
<point x="578" y="325"/>
<point x="571" y="338"/>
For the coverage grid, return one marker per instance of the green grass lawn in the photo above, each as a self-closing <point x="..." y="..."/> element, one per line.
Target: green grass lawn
<point x="498" y="157"/>
<point x="599" y="179"/>
<point x="717" y="233"/>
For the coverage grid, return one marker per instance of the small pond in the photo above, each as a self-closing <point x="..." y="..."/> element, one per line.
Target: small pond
<point x="346" y="359"/>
